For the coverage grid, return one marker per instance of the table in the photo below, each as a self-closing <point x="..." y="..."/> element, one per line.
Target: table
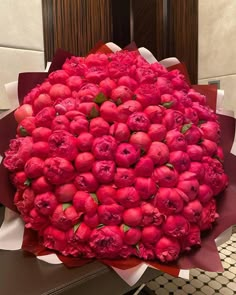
<point x="22" y="274"/>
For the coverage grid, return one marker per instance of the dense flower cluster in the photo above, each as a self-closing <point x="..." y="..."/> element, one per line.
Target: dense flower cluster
<point x="115" y="157"/>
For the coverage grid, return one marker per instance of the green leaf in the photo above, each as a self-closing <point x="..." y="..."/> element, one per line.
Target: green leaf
<point x="93" y="113"/>
<point x="94" y="196"/>
<point x="23" y="131"/>
<point x="185" y="128"/>
<point x="119" y="101"/>
<point x="100" y="98"/>
<point x="169" y="165"/>
<point x="125" y="228"/>
<point x="66" y="205"/>
<point x="100" y="225"/>
<point x="168" y="104"/>
<point x="76" y="226"/>
<point x="27" y="182"/>
<point x="200" y="122"/>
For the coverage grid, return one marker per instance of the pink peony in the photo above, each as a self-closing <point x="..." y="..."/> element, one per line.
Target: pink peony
<point x="205" y="193"/>
<point x="79" y="125"/>
<point x="158" y="152"/>
<point x="214" y="175"/>
<point x="104" y="171"/>
<point x="120" y="132"/>
<point x="151" y="234"/>
<point x="145" y="187"/>
<point x="193" y="135"/>
<point x="65" y="106"/>
<point x="133" y="216"/>
<point x="64" y="217"/>
<point x="124" y="177"/>
<point x="211" y="131"/>
<point x="74" y="82"/>
<point x="180" y="160"/>
<point x="26" y="126"/>
<point x="65" y="192"/>
<point x="106" y="194"/>
<point x="89" y="109"/>
<point x="58" y="76"/>
<point x="80" y="233"/>
<point x="144" y="167"/>
<point x="41" y="134"/>
<point x="188" y="184"/>
<point x="62" y="144"/>
<point x="127" y="108"/>
<point x="86" y="182"/>
<point x="165" y="176"/>
<point x="75" y="66"/>
<point x="195" y="152"/>
<point x="45" y="117"/>
<point x="157" y="132"/>
<point x="138" y="121"/>
<point x="198" y="169"/>
<point x="41" y="101"/>
<point x="176" y="226"/>
<point x="24" y="201"/>
<point x="36" y="220"/>
<point x="84" y="162"/>
<point x="121" y="94"/>
<point x="209" y="147"/>
<point x="104" y="147"/>
<point x="41" y="185"/>
<point x="204" y="112"/>
<point x="58" y="170"/>
<point x="107" y="85"/>
<point x="91" y="221"/>
<point x="99" y="127"/>
<point x="147" y="94"/>
<point x="172" y="119"/>
<point x="18" y="153"/>
<point x="108" y="111"/>
<point x="106" y="242"/>
<point x="209" y="215"/>
<point x="128" y="81"/>
<point x="87" y="92"/>
<point x="45" y="203"/>
<point x="151" y="215"/>
<point x="54" y="238"/>
<point x="60" y="123"/>
<point x="131" y="235"/>
<point x="127" y="197"/>
<point x="19" y="180"/>
<point x="192" y="211"/>
<point x="84" y="142"/>
<point x="168" y="201"/>
<point x="142" y="140"/>
<point x="145" y="252"/>
<point x="126" y="155"/>
<point x="110" y="214"/>
<point x="175" y="141"/>
<point x="167" y="249"/>
<point x="34" y="167"/>
<point x="191" y="115"/>
<point x="40" y="149"/>
<point x="192" y="239"/>
<point x="154" y="113"/>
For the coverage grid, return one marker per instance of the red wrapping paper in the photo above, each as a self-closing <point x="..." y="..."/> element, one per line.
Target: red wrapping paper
<point x="226" y="200"/>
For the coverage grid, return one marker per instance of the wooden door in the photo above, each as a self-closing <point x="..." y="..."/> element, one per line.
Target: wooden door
<point x="165" y="27"/>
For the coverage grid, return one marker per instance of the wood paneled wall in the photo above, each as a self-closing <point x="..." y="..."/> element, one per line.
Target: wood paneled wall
<point x="165" y="27"/>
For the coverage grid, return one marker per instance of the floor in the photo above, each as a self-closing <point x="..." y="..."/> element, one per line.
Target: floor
<point x="202" y="282"/>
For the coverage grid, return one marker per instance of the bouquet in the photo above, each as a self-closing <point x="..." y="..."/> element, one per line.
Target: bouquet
<point x="115" y="158"/>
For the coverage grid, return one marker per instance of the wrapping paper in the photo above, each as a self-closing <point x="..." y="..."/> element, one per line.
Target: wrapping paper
<point x="13" y="236"/>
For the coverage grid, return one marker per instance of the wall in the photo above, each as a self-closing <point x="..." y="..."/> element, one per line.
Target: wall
<point x="21" y="41"/>
<point x="217" y="46"/>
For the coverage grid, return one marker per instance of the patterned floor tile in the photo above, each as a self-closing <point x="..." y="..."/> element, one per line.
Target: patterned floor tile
<point x="203" y="282"/>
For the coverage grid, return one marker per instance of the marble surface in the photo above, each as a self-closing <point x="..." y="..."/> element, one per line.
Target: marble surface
<point x="14" y="61"/>
<point x="217" y="38"/>
<point x="21" y="24"/>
